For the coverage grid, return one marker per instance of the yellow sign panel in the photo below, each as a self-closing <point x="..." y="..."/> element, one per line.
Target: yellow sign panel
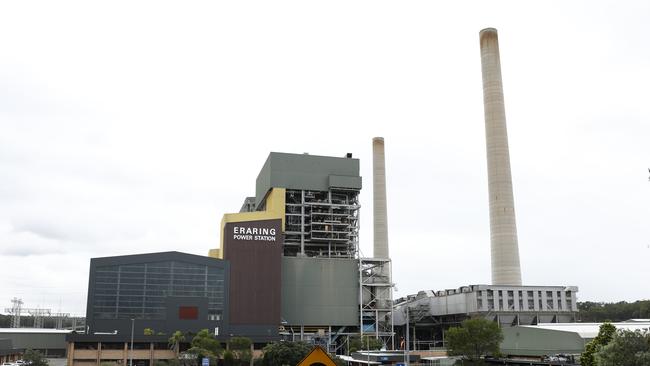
<point x="317" y="357"/>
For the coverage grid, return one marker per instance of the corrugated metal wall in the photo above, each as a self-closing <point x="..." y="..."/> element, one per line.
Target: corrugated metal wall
<point x="320" y="291"/>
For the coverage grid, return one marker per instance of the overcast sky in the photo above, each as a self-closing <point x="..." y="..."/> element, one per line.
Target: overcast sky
<point x="132" y="127"/>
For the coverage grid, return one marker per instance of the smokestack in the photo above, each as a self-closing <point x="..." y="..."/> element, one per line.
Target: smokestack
<point x="503" y="228"/>
<point x="380" y="215"/>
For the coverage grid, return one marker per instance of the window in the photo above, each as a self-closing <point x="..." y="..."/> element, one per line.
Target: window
<point x="139" y="290"/>
<point x="214" y="315"/>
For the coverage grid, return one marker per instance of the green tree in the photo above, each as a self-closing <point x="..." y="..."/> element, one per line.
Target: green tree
<point x="34" y="358"/>
<point x="474" y="338"/>
<point x="285" y="353"/>
<point x="338" y="361"/>
<point x="175" y="341"/>
<point x="5" y="321"/>
<point x="599" y="311"/>
<point x="173" y="362"/>
<point x="629" y="348"/>
<point x="149" y="331"/>
<point x="367" y="343"/>
<point x="228" y="358"/>
<point x="605" y="335"/>
<point x="167" y="362"/>
<point x="241" y="349"/>
<point x="204" y="344"/>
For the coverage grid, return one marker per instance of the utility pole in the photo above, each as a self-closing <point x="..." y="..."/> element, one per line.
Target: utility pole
<point x="368" y="350"/>
<point x="406" y="349"/>
<point x="131" y="353"/>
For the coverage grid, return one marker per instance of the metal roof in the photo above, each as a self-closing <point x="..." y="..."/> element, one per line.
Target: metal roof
<point x="35" y="330"/>
<point x="588" y="330"/>
<point x="351" y="359"/>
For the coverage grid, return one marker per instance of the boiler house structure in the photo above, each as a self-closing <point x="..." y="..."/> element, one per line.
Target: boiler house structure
<point x="294" y="256"/>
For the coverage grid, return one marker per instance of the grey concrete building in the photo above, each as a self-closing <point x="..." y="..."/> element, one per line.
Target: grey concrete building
<point x="50" y="342"/>
<point x="548" y="339"/>
<point x="7" y="351"/>
<point x="430" y="313"/>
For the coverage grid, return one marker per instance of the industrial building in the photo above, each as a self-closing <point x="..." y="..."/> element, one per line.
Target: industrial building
<point x="507" y="301"/>
<point x="568" y="338"/>
<point x="303" y="224"/>
<point x="423" y="318"/>
<point x="115" y="349"/>
<point x="164" y="292"/>
<point x="50" y="342"/>
<point x="431" y="313"/>
<point x="289" y="265"/>
<point x="7" y="351"/>
<point x="288" y="268"/>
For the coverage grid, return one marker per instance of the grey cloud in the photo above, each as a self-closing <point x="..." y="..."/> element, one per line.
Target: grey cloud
<point x="42" y="229"/>
<point x="25" y="243"/>
<point x="25" y="250"/>
<point x="79" y="229"/>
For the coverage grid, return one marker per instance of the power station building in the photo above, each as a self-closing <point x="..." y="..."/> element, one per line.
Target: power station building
<point x="423" y="318"/>
<point x="431" y="313"/>
<point x="288" y="267"/>
<point x="293" y="250"/>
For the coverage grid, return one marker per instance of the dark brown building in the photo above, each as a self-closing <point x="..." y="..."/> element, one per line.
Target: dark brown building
<point x="254" y="250"/>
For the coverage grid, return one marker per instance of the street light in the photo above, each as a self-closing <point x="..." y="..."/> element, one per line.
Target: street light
<point x="131" y="353"/>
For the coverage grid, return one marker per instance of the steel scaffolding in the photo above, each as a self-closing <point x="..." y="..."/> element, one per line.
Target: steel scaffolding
<point x="376" y="300"/>
<point x="322" y="223"/>
<point x="40" y="315"/>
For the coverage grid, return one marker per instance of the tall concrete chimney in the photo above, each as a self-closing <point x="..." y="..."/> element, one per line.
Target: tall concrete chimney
<point x="503" y="228"/>
<point x="380" y="216"/>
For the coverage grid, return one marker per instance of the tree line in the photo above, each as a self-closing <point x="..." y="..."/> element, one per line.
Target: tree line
<point x="596" y="312"/>
<point x="192" y="348"/>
